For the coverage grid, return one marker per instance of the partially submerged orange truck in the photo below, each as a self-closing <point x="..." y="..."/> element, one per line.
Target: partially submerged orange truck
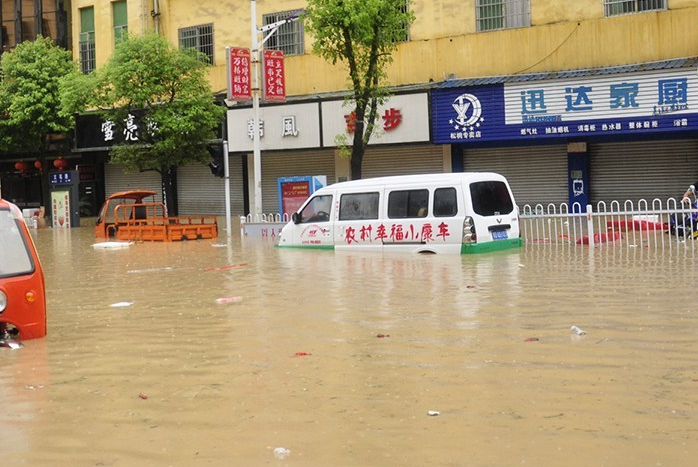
<point x="126" y="216"/>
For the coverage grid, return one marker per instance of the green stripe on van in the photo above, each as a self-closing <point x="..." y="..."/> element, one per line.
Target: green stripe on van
<point x="496" y="245"/>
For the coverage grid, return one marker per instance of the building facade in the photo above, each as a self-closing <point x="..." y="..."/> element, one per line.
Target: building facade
<point x="579" y="101"/>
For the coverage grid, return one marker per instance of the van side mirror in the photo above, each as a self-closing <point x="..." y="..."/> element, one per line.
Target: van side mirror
<point x="295" y="218"/>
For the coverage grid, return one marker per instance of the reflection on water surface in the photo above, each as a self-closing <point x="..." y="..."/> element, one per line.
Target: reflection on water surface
<point x="338" y="358"/>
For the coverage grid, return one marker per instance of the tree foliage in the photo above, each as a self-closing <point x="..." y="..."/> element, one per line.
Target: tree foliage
<point x="362" y="34"/>
<point x="30" y="102"/>
<point x="167" y="90"/>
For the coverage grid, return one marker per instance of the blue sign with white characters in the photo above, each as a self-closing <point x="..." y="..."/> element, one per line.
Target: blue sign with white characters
<point x="619" y="104"/>
<point x="60" y="178"/>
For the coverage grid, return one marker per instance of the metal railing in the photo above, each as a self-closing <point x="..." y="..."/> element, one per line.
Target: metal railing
<point x="646" y="224"/>
<point x="262" y="225"/>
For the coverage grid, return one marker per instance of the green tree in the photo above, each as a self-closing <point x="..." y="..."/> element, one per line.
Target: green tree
<point x="32" y="123"/>
<point x="30" y="96"/>
<point x="362" y="34"/>
<point x="167" y="91"/>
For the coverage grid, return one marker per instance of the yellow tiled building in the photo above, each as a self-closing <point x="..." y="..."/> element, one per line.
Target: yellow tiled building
<point x="458" y="47"/>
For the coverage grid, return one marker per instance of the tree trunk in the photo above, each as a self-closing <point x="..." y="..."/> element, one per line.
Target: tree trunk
<point x="169" y="190"/>
<point x="357" y="156"/>
<point x="357" y="148"/>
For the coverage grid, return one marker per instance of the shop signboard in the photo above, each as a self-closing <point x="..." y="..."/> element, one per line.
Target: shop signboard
<point x="583" y="107"/>
<point x="239" y="74"/>
<point x="293" y="191"/>
<point x="274" y="76"/>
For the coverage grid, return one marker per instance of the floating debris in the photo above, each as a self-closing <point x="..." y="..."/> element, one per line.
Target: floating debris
<point x="576" y="331"/>
<point x="531" y="339"/>
<point x="121" y="304"/>
<point x="433" y="413"/>
<point x="138" y="271"/>
<point x="11" y="343"/>
<point x="281" y="453"/>
<point x="381" y="336"/>
<point x="143" y="396"/>
<point x="302" y="354"/>
<point x="225" y="300"/>
<point x="111" y="245"/>
<point x="33" y="387"/>
<point x="223" y="268"/>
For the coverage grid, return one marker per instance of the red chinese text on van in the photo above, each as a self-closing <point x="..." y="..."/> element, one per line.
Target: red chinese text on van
<point x="22" y="290"/>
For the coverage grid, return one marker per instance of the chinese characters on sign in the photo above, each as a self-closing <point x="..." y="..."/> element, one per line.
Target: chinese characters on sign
<point x="274" y="79"/>
<point x="391" y="120"/>
<point x="239" y="74"/>
<point x="130" y="129"/>
<point x="644" y="102"/>
<point x="395" y="233"/>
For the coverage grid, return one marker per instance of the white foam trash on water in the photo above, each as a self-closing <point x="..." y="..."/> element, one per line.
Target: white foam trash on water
<point x="433" y="413"/>
<point x="576" y="331"/>
<point x="121" y="304"/>
<point x="281" y="453"/>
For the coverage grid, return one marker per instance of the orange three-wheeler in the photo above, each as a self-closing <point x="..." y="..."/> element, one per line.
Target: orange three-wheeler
<point x="22" y="290"/>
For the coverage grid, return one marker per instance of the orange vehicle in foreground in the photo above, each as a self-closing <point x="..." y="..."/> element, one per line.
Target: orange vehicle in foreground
<point x="125" y="216"/>
<point x="22" y="290"/>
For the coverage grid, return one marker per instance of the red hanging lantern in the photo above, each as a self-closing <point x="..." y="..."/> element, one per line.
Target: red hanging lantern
<point x="37" y="166"/>
<point x="21" y="166"/>
<point x="60" y="164"/>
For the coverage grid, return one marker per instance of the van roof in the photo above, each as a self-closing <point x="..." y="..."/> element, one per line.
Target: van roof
<point x="451" y="177"/>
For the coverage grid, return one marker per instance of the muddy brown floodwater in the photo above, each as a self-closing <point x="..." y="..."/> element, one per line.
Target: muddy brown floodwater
<point x="334" y="359"/>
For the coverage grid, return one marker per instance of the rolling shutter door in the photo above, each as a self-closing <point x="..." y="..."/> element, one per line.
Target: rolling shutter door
<point x="200" y="193"/>
<point x="536" y="174"/>
<point x="115" y="180"/>
<point x="291" y="164"/>
<point x="382" y="161"/>
<point x="634" y="170"/>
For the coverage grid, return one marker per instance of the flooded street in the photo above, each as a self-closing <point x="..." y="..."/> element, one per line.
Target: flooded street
<point x="335" y="359"/>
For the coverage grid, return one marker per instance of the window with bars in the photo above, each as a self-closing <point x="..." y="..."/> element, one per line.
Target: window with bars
<point x="289" y="37"/>
<point x="199" y="38"/>
<point x="120" y="18"/>
<point x="404" y="33"/>
<point x="625" y="7"/>
<point x="502" y="14"/>
<point x="87" y="40"/>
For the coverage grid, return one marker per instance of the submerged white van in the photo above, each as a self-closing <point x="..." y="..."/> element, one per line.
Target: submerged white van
<point x="468" y="212"/>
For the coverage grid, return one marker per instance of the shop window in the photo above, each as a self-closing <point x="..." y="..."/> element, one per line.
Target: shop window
<point x="199" y="38"/>
<point x="120" y="18"/>
<point x="502" y="14"/>
<point x="289" y="37"/>
<point x="87" y="40"/>
<point x="404" y="33"/>
<point x="625" y="7"/>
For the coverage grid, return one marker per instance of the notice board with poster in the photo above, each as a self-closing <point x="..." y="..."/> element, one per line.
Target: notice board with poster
<point x="293" y="191"/>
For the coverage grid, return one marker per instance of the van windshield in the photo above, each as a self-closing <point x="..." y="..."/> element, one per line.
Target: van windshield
<point x="491" y="198"/>
<point x="15" y="258"/>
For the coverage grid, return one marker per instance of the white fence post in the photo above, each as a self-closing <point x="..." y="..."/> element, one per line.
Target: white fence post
<point x="590" y="225"/>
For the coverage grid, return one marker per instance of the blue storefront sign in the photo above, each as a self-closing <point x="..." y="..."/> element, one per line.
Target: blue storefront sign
<point x="576" y="108"/>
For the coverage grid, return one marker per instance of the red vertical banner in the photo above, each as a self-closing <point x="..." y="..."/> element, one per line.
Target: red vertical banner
<point x="239" y="74"/>
<point x="274" y="78"/>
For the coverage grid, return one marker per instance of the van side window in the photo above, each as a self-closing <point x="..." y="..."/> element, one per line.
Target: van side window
<point x="491" y="198"/>
<point x="358" y="206"/>
<point x="445" y="204"/>
<point x="408" y="203"/>
<point x="317" y="210"/>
